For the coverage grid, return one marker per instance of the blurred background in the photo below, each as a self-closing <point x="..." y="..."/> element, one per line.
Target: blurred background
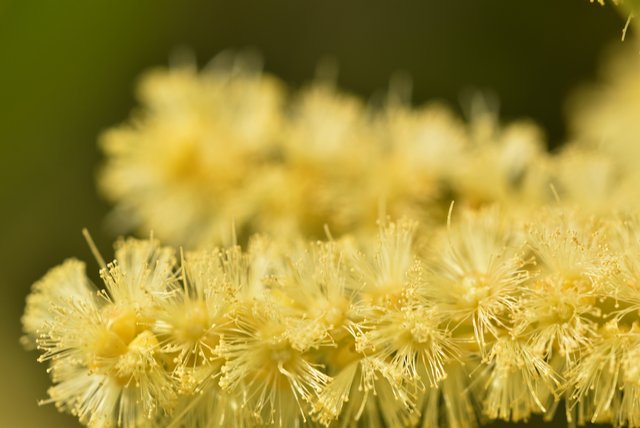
<point x="68" y="71"/>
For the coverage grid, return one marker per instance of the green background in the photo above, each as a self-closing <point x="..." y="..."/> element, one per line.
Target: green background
<point x="68" y="71"/>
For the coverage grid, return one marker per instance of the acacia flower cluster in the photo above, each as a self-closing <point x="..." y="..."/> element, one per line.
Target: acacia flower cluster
<point x="227" y="146"/>
<point x="231" y="143"/>
<point x="317" y="272"/>
<point x="487" y="317"/>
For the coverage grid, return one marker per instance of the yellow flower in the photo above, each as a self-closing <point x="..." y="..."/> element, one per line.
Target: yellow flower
<point x="268" y="365"/>
<point x="476" y="273"/>
<point x="604" y="386"/>
<point x="176" y="168"/>
<point x="63" y="284"/>
<point x="517" y="374"/>
<point x="104" y="359"/>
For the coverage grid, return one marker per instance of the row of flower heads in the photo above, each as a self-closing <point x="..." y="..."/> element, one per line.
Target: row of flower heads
<point x="500" y="309"/>
<point x="483" y="318"/>
<point x="231" y="144"/>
